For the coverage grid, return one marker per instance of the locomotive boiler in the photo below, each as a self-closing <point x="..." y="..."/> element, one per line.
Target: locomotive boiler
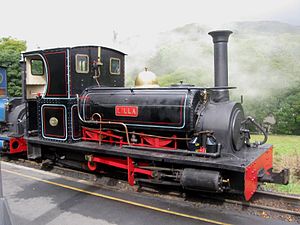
<point x="186" y="136"/>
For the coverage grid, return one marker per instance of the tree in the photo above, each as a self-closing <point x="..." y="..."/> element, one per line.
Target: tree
<point x="288" y="113"/>
<point x="284" y="106"/>
<point x="10" y="50"/>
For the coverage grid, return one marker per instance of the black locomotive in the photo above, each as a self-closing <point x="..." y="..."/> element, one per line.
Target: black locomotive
<point x="80" y="114"/>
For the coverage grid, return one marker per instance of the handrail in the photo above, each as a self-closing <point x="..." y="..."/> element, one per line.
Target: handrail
<point x="101" y="122"/>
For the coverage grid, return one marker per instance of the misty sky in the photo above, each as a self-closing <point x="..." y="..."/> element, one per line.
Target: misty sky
<point x="57" y="23"/>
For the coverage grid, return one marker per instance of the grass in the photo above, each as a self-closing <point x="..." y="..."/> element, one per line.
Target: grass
<point x="286" y="150"/>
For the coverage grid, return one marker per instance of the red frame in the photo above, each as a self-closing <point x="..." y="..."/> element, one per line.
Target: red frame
<point x="126" y="164"/>
<point x="146" y="141"/>
<point x="265" y="162"/>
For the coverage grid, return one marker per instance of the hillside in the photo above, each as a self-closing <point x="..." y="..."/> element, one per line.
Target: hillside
<point x="263" y="61"/>
<point x="259" y="53"/>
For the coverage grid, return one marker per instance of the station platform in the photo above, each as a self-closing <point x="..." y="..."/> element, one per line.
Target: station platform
<point x="38" y="197"/>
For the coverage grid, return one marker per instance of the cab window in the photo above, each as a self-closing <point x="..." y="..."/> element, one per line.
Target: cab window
<point x="115" y="66"/>
<point x="37" y="67"/>
<point x="82" y="63"/>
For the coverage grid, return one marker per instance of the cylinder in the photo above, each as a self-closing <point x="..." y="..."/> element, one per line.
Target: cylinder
<point x="204" y="180"/>
<point x="220" y="40"/>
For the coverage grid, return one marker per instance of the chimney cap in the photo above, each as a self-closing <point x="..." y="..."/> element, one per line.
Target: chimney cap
<point x="220" y="35"/>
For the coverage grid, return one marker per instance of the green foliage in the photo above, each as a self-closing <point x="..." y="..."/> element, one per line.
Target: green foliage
<point x="285" y="107"/>
<point x="37" y="67"/>
<point x="263" y="65"/>
<point x="288" y="113"/>
<point x="10" y="50"/>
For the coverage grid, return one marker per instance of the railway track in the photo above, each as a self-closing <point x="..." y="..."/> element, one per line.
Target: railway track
<point x="262" y="200"/>
<point x="271" y="201"/>
<point x="291" y="202"/>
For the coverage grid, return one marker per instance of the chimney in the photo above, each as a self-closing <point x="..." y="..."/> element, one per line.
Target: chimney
<point x="220" y="39"/>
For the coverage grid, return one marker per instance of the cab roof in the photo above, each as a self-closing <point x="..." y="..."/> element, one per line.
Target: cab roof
<point x="64" y="48"/>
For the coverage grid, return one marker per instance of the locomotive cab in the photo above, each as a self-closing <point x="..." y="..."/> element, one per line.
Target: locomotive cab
<point x="52" y="78"/>
<point x="65" y="72"/>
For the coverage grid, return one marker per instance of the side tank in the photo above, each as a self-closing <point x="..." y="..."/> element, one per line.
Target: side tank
<point x="155" y="109"/>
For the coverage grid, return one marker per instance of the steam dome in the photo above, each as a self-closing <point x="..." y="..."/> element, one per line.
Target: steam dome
<point x="146" y="78"/>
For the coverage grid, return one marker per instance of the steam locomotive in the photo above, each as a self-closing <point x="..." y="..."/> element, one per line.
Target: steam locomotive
<point x="78" y="113"/>
<point x="12" y="119"/>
